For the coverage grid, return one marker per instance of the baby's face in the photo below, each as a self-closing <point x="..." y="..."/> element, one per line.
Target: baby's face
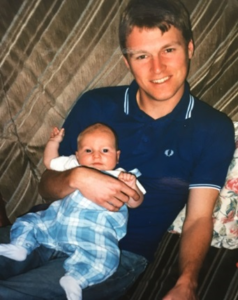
<point x="97" y="150"/>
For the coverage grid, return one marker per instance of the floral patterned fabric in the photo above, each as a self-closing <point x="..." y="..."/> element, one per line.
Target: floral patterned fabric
<point x="225" y="214"/>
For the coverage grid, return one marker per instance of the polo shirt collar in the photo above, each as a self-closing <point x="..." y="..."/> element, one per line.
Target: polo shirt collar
<point x="182" y="111"/>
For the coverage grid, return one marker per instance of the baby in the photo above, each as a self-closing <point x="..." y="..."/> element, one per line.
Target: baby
<point x="86" y="232"/>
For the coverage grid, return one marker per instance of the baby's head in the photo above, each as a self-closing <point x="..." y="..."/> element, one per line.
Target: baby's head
<point x="98" y="147"/>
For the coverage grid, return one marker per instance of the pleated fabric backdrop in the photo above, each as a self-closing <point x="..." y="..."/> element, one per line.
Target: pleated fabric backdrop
<point x="52" y="51"/>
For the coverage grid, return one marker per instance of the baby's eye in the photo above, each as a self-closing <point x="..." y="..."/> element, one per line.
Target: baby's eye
<point x="105" y="150"/>
<point x="88" y="150"/>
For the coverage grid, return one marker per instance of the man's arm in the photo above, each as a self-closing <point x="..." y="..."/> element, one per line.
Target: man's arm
<point x="102" y="189"/>
<point x="195" y="241"/>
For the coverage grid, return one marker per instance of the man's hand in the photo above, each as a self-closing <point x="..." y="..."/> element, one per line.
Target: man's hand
<point x="102" y="189"/>
<point x="181" y="292"/>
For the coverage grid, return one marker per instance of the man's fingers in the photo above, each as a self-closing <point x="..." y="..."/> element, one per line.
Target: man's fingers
<point x="109" y="206"/>
<point x="117" y="202"/>
<point x="130" y="192"/>
<point x="120" y="197"/>
<point x="112" y="193"/>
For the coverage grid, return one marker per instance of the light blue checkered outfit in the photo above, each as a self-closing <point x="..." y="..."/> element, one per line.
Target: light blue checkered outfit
<point x="88" y="233"/>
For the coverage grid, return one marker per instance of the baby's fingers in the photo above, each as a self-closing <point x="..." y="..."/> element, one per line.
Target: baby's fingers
<point x="61" y="132"/>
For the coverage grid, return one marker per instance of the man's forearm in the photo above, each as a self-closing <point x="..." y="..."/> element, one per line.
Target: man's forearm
<point x="102" y="189"/>
<point x="195" y="242"/>
<point x="55" y="185"/>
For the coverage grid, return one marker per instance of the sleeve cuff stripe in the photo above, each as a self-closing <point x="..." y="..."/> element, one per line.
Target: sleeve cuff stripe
<point x="203" y="185"/>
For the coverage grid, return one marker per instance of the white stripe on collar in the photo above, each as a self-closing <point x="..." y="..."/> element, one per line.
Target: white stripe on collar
<point x="126" y="102"/>
<point x="188" y="113"/>
<point x="190" y="107"/>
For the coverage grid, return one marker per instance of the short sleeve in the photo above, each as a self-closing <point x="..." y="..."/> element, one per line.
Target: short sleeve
<point x="225" y="216"/>
<point x="63" y="163"/>
<point x="218" y="147"/>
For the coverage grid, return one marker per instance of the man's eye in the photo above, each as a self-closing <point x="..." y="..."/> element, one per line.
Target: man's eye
<point x="169" y="50"/>
<point x="88" y="150"/>
<point x="104" y="150"/>
<point x="140" y="57"/>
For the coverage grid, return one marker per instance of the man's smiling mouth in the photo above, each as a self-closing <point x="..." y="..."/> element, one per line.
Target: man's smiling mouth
<point x="161" y="80"/>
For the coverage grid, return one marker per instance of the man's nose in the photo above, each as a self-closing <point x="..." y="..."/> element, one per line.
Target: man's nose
<point x="157" y="64"/>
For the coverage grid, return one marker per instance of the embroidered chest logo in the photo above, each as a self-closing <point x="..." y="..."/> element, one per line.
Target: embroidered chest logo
<point x="169" y="152"/>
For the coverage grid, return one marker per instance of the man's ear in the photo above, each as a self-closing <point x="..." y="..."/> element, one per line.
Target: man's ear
<point x="126" y="62"/>
<point x="190" y="49"/>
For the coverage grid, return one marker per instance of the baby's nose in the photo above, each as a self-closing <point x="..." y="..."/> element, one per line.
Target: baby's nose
<point x="96" y="153"/>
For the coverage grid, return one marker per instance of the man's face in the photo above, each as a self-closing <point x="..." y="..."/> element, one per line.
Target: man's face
<point x="159" y="62"/>
<point x="97" y="150"/>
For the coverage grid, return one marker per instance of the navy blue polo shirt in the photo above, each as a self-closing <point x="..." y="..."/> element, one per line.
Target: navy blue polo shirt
<point x="191" y="147"/>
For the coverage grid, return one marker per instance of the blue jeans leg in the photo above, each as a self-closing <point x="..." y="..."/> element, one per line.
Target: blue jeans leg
<point x="38" y="258"/>
<point x="129" y="269"/>
<point x="37" y="278"/>
<point x="5" y="234"/>
<point x="42" y="282"/>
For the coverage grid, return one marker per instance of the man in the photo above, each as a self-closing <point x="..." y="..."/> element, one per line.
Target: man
<point x="181" y="146"/>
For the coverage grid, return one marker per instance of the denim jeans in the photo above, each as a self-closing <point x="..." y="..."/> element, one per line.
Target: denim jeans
<point x="37" y="278"/>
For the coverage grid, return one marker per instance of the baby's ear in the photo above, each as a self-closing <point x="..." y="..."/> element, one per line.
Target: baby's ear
<point x="77" y="155"/>
<point x="118" y="155"/>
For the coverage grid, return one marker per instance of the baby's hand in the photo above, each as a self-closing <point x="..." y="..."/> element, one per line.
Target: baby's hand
<point x="128" y="178"/>
<point x="131" y="181"/>
<point x="57" y="135"/>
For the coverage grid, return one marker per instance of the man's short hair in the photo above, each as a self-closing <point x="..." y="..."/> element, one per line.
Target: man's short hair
<point x="160" y="14"/>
